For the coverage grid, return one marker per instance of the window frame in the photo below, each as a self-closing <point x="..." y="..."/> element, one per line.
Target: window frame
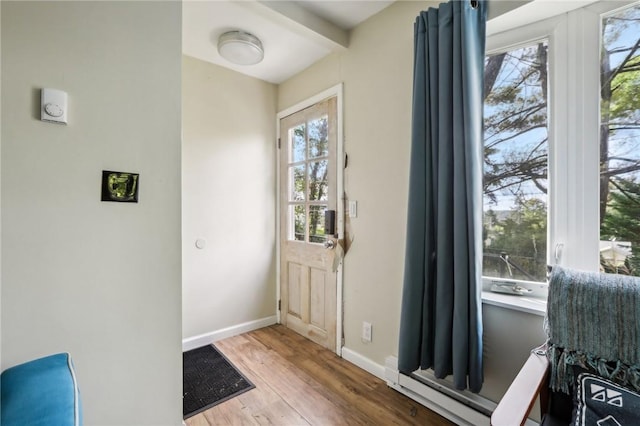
<point x="511" y="40"/>
<point x="573" y="58"/>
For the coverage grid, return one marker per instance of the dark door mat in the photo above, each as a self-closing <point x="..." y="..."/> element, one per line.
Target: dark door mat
<point x="208" y="379"/>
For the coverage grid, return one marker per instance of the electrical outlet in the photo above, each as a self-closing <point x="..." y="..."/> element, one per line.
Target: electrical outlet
<point x="366" y="331"/>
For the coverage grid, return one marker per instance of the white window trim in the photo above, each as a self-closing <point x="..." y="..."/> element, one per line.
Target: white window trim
<point x="497" y="43"/>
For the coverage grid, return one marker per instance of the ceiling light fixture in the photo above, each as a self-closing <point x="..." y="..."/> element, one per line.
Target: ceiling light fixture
<point x="240" y="47"/>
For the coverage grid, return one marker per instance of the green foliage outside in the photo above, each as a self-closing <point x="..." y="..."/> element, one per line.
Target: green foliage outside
<point x="623" y="223"/>
<point x="522" y="236"/>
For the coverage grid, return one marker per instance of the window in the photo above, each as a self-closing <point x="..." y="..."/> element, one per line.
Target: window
<point x="308" y="184"/>
<point x="516" y="158"/>
<point x="619" y="211"/>
<point x="562" y="144"/>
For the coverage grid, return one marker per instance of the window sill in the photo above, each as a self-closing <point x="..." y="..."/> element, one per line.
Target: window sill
<point x="531" y="305"/>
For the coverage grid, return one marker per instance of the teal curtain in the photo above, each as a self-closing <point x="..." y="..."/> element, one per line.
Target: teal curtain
<point x="441" y="317"/>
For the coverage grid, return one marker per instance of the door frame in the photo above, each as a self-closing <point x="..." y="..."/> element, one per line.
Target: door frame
<point x="337" y="92"/>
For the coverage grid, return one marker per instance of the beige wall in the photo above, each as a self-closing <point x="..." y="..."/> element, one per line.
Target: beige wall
<point x="377" y="71"/>
<point x="100" y="280"/>
<point x="228" y="198"/>
<point x="377" y="75"/>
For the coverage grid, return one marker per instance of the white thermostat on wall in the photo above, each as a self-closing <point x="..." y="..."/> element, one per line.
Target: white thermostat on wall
<point x="53" y="106"/>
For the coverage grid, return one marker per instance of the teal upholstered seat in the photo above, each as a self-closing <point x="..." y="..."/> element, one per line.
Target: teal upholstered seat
<point x="41" y="392"/>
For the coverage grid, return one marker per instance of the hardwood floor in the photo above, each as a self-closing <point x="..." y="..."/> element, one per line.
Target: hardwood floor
<point x="300" y="383"/>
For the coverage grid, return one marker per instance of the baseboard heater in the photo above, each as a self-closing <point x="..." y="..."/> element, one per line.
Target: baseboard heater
<point x="461" y="407"/>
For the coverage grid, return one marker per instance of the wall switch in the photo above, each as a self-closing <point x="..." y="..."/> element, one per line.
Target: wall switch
<point x="353" y="208"/>
<point x="366" y="331"/>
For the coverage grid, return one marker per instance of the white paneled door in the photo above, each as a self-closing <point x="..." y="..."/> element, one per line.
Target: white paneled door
<point x="308" y="222"/>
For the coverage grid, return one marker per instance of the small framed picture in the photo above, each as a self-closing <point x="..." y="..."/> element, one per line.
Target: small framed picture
<point x="120" y="186"/>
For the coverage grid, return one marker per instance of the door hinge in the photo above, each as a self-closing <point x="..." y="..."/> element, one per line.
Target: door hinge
<point x="280" y="304"/>
<point x="278" y="143"/>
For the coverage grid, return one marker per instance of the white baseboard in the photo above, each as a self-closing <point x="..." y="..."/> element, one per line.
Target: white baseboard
<point x="208" y="338"/>
<point x="363" y="362"/>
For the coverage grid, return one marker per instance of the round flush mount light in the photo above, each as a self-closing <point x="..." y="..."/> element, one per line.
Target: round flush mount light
<point x="240" y="48"/>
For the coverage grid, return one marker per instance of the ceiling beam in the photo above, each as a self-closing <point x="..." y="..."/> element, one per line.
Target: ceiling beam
<point x="302" y="21"/>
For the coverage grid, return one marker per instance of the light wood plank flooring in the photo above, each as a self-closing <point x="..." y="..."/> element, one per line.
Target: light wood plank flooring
<point x="300" y="383"/>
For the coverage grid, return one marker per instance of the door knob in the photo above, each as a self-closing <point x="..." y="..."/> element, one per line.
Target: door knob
<point x="329" y="244"/>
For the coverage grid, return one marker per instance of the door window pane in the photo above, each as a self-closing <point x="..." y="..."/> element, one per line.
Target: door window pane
<point x="316" y="224"/>
<point x="515" y="163"/>
<point x="298" y="219"/>
<point x="298" y="144"/>
<point x="318" y="138"/>
<point x="620" y="143"/>
<point x="318" y="184"/>
<point x="297" y="183"/>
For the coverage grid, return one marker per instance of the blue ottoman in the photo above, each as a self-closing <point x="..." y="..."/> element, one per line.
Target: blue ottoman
<point x="41" y="392"/>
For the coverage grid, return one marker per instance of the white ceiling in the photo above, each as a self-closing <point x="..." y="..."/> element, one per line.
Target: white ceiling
<point x="294" y="34"/>
<point x="297" y="33"/>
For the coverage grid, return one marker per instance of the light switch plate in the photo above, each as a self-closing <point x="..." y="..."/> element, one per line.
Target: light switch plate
<point x="53" y="106"/>
<point x="353" y="209"/>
